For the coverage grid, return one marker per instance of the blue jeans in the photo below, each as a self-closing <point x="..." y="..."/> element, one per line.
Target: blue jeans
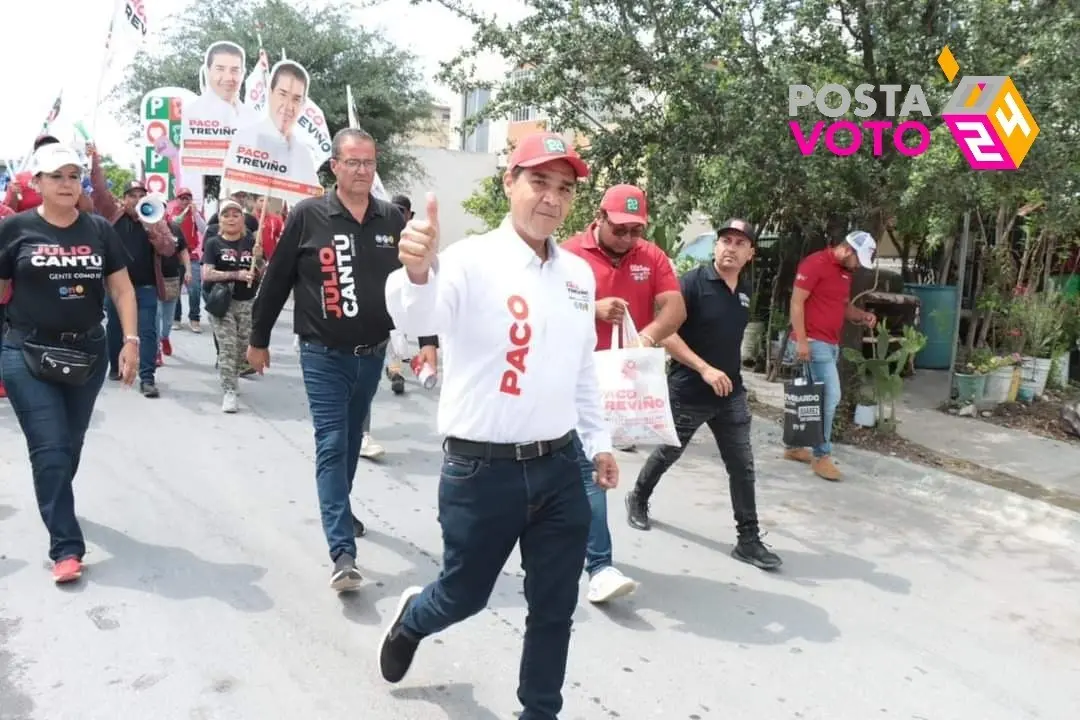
<point x="146" y="300"/>
<point x="598" y="550"/>
<point x="166" y="309"/>
<point x="194" y="296"/>
<point x="823" y="359"/>
<point x="485" y="508"/>
<point x="53" y="419"/>
<point x="339" y="387"/>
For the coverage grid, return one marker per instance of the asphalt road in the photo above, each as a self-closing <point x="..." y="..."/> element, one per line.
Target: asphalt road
<point x="905" y="593"/>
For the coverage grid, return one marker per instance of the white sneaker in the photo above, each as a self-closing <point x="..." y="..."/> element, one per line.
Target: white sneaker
<point x="296" y="343"/>
<point x="609" y="584"/>
<point x="369" y="449"/>
<point x="230" y="403"/>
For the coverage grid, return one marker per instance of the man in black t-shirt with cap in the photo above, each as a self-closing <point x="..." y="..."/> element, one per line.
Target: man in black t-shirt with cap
<point x="705" y="384"/>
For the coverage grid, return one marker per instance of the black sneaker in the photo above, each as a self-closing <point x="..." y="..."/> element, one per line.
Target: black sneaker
<point x="756" y="553"/>
<point x="114" y="376"/>
<point x="149" y="390"/>
<point x="397" y="384"/>
<point x="358" y="529"/>
<point x="637" y="511"/>
<point x="397" y="650"/>
<point x="345" y="576"/>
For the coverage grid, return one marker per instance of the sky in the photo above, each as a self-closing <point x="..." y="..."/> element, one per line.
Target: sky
<point x="73" y="60"/>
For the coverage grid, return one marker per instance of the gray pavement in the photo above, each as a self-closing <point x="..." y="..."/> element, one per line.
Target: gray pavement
<point x="906" y="593"/>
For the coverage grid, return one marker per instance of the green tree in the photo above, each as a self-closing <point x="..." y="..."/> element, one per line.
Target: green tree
<point x="690" y="98"/>
<point x="335" y="50"/>
<point x="117" y="177"/>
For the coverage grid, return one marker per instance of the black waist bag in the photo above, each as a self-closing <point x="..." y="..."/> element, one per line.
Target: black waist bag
<point x="62" y="365"/>
<point x="219" y="299"/>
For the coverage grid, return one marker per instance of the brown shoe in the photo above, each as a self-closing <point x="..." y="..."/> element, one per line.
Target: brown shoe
<point x="824" y="468"/>
<point x="798" y="455"/>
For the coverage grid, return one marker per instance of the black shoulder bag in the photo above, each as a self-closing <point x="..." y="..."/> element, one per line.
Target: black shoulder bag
<point x="58" y="364"/>
<point x="218" y="299"/>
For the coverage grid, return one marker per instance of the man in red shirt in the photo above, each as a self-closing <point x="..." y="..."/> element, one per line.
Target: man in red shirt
<point x="5" y="211"/>
<point x="820" y="304"/>
<point x="184" y="213"/>
<point x="633" y="277"/>
<point x="272" y="227"/>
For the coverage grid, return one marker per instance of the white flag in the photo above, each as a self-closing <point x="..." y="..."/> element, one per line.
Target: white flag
<point x="257" y="84"/>
<point x="377" y="188"/>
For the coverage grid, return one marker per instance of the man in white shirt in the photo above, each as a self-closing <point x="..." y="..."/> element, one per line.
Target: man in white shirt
<point x="514" y="315"/>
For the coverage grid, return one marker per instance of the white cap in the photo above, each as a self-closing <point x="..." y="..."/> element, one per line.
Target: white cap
<point x="50" y="158"/>
<point x="864" y="245"/>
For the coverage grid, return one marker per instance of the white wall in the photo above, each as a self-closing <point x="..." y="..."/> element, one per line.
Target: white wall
<point x="453" y="176"/>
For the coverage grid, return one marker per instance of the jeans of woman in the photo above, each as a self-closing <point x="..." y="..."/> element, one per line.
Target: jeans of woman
<point x="54" y="419"/>
<point x="165" y="311"/>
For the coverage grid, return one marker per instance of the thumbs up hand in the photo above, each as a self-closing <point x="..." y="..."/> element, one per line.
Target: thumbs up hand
<point x="420" y="242"/>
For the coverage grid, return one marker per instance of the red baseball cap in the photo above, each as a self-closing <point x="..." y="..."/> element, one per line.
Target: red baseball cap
<point x="181" y="192"/>
<point x="544" y="147"/>
<point x="625" y="205"/>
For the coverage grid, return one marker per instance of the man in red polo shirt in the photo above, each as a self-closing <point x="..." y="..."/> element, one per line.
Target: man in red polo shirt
<point x="820" y="304"/>
<point x="636" y="277"/>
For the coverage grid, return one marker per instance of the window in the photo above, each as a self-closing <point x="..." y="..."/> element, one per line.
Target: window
<point x="528" y="113"/>
<point x="477" y="139"/>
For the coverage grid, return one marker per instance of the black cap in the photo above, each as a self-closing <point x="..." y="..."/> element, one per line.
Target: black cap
<point x="45" y="140"/>
<point x="738" y="225"/>
<point x="134" y="185"/>
<point x="402" y="202"/>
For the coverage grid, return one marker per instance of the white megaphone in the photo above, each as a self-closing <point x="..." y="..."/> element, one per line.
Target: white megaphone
<point x="151" y="209"/>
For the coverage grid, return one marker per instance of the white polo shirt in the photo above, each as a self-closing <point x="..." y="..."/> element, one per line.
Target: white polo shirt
<point x="517" y="337"/>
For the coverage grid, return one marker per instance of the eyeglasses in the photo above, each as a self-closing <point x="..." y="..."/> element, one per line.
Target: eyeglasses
<point x="353" y="164"/>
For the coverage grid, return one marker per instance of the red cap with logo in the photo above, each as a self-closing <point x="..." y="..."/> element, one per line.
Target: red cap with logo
<point x="625" y="205"/>
<point x="544" y="147"/>
<point x="181" y="192"/>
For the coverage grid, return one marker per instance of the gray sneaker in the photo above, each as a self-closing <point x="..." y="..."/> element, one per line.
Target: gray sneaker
<point x="345" y="576"/>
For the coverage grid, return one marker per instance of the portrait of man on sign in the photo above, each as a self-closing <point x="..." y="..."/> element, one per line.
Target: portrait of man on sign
<point x="268" y="157"/>
<point x="211" y="120"/>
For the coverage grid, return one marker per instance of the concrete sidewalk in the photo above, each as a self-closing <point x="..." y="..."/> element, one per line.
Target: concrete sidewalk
<point x="906" y="592"/>
<point x="1050" y="464"/>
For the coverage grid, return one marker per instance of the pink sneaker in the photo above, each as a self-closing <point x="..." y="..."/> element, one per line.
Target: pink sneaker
<point x="67" y="570"/>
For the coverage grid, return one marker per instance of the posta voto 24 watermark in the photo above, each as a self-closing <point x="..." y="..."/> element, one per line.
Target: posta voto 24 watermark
<point x="986" y="115"/>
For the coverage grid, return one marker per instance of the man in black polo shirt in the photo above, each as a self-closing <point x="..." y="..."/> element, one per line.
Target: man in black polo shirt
<point x="335" y="255"/>
<point x="705" y="383"/>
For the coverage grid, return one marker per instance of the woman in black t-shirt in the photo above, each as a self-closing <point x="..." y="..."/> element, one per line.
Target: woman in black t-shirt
<point x="60" y="263"/>
<point x="226" y="261"/>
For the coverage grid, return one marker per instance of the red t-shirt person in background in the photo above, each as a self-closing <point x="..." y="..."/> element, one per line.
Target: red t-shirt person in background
<point x="5" y="211"/>
<point x="820" y="303"/>
<point x="270" y="230"/>
<point x="634" y="279"/>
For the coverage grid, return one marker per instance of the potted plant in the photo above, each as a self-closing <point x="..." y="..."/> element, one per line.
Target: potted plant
<point x="1070" y="340"/>
<point x="1041" y="319"/>
<point x="885" y="368"/>
<point x="1003" y="379"/>
<point x="969" y="376"/>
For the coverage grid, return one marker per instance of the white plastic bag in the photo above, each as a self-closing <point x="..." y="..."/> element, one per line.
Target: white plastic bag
<point x="634" y="390"/>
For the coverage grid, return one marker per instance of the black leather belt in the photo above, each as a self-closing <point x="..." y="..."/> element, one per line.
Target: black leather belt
<point x="356" y="350"/>
<point x="506" y="451"/>
<point x="18" y="335"/>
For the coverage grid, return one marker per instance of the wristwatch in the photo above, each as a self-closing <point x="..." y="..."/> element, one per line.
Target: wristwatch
<point x="133" y="339"/>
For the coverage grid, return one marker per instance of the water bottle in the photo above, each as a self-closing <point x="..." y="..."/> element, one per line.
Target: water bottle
<point x="425" y="374"/>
